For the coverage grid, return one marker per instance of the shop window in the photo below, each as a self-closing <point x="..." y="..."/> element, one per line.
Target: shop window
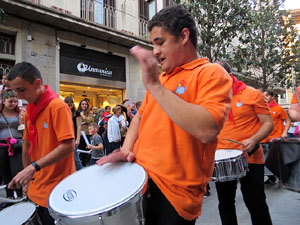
<point x="96" y="95"/>
<point x="7" y="43"/>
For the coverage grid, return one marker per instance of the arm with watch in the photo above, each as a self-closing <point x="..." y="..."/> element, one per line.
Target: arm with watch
<point x="23" y="178"/>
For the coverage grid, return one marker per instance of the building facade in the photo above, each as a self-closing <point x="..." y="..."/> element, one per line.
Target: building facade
<point x="80" y="46"/>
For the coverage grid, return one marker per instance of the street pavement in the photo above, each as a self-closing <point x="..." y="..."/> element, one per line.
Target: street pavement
<point x="284" y="207"/>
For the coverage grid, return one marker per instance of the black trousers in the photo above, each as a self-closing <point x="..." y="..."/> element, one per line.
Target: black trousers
<point x="159" y="211"/>
<point x="9" y="167"/>
<point x="44" y="215"/>
<point x="252" y="187"/>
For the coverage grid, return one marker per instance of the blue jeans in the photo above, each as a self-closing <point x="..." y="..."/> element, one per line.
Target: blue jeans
<point x="78" y="164"/>
<point x="93" y="161"/>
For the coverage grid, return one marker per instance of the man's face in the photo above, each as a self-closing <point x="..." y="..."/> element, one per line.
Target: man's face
<point x="166" y="48"/>
<point x="95" y="110"/>
<point x="26" y="90"/>
<point x="268" y="98"/>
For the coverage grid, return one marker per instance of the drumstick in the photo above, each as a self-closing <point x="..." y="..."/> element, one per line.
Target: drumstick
<point x="236" y="142"/>
<point x="249" y="153"/>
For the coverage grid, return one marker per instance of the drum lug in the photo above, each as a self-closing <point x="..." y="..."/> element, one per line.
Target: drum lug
<point x="56" y="221"/>
<point x="100" y="218"/>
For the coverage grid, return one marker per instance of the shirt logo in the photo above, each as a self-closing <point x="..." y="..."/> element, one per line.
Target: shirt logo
<point x="274" y="112"/>
<point x="45" y="125"/>
<point x="181" y="88"/>
<point x="239" y="104"/>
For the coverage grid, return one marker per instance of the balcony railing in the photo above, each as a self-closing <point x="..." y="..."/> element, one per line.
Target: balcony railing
<point x="100" y="13"/>
<point x="143" y="29"/>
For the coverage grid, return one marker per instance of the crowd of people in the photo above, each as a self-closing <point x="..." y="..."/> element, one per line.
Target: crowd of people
<point x="104" y="128"/>
<point x="188" y="112"/>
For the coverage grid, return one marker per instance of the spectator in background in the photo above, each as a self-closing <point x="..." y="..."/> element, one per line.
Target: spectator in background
<point x="96" y="146"/>
<point x="294" y="129"/>
<point x="138" y="105"/>
<point x="86" y="117"/>
<point x="4" y="87"/>
<point x="114" y="126"/>
<point x="107" y="113"/>
<point x="10" y="153"/>
<point x="95" y="114"/>
<point x="101" y="121"/>
<point x="76" y="120"/>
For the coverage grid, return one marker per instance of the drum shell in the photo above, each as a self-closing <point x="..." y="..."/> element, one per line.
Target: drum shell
<point x="232" y="168"/>
<point x="107" y="206"/>
<point x="129" y="213"/>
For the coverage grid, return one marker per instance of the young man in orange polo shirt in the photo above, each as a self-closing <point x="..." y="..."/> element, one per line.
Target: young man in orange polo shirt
<point x="281" y="121"/>
<point x="48" y="138"/>
<point x="249" y="122"/>
<point x="173" y="135"/>
<point x="294" y="110"/>
<point x="281" y="125"/>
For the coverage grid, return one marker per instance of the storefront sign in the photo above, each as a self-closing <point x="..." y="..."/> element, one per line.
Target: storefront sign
<point x="84" y="62"/>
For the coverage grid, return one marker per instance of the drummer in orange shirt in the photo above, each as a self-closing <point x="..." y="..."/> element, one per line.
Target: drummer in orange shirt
<point x="173" y="135"/>
<point x="279" y="117"/>
<point x="249" y="122"/>
<point x="47" y="151"/>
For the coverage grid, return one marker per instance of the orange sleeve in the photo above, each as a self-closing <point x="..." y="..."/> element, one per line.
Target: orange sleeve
<point x="63" y="130"/>
<point x="294" y="98"/>
<point x="260" y="106"/>
<point x="215" y="93"/>
<point x="284" y="114"/>
<point x="26" y="123"/>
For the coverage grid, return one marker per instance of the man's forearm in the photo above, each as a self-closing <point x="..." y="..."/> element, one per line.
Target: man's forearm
<point x="25" y="156"/>
<point x="132" y="133"/>
<point x="57" y="154"/>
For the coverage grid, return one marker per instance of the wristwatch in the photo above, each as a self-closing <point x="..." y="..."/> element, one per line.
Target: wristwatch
<point x="36" y="166"/>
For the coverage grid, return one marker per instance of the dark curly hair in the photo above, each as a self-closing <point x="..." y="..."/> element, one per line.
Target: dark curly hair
<point x="173" y="19"/>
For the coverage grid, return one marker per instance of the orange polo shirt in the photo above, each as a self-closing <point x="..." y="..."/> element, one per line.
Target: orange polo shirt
<point x="245" y="106"/>
<point x="54" y="125"/>
<point x="294" y="98"/>
<point x="180" y="164"/>
<point x="279" y="115"/>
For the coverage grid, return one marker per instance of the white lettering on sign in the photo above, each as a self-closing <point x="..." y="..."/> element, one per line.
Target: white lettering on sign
<point x="82" y="67"/>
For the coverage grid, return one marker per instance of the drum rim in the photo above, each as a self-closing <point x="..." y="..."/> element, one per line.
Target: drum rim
<point x="106" y="210"/>
<point x="229" y="149"/>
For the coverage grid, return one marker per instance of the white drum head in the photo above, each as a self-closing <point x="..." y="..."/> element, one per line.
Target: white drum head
<point x="17" y="214"/>
<point x="97" y="189"/>
<point x="227" y="153"/>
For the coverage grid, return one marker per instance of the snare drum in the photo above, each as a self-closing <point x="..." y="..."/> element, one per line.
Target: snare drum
<point x="109" y="194"/>
<point x="230" y="165"/>
<point x="22" y="213"/>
